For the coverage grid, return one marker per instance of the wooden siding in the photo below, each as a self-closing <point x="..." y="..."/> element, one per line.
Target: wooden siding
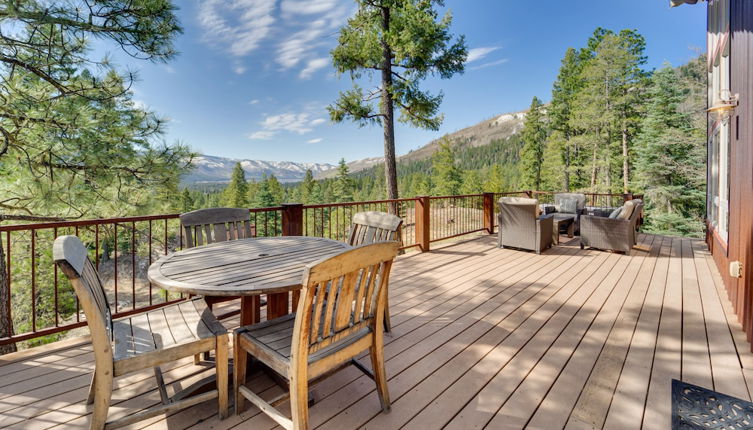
<point x="482" y="337"/>
<point x="740" y="246"/>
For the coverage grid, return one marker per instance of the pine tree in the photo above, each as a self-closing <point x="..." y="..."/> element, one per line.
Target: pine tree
<point x="343" y="188"/>
<point x="534" y="136"/>
<point x="236" y="193"/>
<point x="446" y="176"/>
<point x="405" y="41"/>
<point x="670" y="160"/>
<point x="186" y="201"/>
<point x="471" y="183"/>
<point x="307" y="187"/>
<point x="560" y="113"/>
<point x="264" y="195"/>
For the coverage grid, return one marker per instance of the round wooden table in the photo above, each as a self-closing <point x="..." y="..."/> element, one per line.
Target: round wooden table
<point x="245" y="268"/>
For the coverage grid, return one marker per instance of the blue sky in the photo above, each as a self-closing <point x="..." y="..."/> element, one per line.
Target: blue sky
<point x="253" y="78"/>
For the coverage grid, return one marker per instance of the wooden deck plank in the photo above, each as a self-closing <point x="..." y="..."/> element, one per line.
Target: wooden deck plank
<point x="481" y="337"/>
<point x="561" y="379"/>
<point x="667" y="360"/>
<point x="629" y="399"/>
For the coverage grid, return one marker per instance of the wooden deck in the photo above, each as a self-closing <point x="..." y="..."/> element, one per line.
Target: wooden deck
<point x="483" y="337"/>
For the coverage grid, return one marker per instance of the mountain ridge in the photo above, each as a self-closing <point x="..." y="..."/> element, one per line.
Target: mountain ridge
<point x="210" y="169"/>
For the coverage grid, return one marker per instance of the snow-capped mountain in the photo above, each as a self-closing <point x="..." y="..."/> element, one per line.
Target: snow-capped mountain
<point x="210" y="169"/>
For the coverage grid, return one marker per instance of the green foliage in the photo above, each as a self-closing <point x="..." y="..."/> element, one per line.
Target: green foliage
<point x="671" y="159"/>
<point x="405" y="41"/>
<point x="343" y="188"/>
<point x="534" y="136"/>
<point x="236" y="193"/>
<point x="446" y="175"/>
<point x="72" y="142"/>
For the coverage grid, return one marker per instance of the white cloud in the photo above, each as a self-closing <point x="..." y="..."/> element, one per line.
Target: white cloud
<point x="490" y="64"/>
<point x="317" y="140"/>
<point x="291" y="122"/>
<point x="238" y="26"/>
<point x="254" y="101"/>
<point x="239" y="70"/>
<point x="476" y="54"/>
<point x="261" y="135"/>
<point x="313" y="66"/>
<point x="307" y="7"/>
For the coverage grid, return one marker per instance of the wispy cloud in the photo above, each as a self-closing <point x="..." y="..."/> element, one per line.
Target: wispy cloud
<point x="489" y="64"/>
<point x="298" y="33"/>
<point x="313" y="66"/>
<point x="292" y="122"/>
<point x="476" y="54"/>
<point x="237" y="26"/>
<point x="254" y="101"/>
<point x="317" y="140"/>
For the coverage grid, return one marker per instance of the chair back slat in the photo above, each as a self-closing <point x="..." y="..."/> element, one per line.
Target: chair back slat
<point x="70" y="255"/>
<point x="342" y="295"/>
<point x="372" y="227"/>
<point x="205" y="226"/>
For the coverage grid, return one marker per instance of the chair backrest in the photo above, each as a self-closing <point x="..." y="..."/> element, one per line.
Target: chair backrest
<point x="205" y="226"/>
<point x="342" y="296"/>
<point x="70" y="255"/>
<point x="372" y="227"/>
<point x="579" y="198"/>
<point x="518" y="208"/>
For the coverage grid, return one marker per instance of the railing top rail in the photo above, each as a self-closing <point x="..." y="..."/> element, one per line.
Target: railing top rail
<point x="365" y="202"/>
<point x="95" y="221"/>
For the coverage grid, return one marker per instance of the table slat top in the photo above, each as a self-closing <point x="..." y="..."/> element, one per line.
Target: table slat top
<point x="242" y="267"/>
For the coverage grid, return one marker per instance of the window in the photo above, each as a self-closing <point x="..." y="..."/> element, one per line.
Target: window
<point x="719" y="130"/>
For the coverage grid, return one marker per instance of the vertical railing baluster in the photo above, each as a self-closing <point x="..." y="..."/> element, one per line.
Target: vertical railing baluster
<point x="167" y="297"/>
<point x="149" y="239"/>
<point x="8" y="276"/>
<point x="55" y="283"/>
<point x="133" y="264"/>
<point x="115" y="228"/>
<point x="33" y="281"/>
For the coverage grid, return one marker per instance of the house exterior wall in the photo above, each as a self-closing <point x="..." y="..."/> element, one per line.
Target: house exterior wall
<point x="736" y="243"/>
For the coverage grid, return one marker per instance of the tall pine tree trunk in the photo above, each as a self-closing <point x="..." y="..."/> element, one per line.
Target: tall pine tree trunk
<point x="6" y="326"/>
<point x="388" y="111"/>
<point x="625" y="168"/>
<point x="594" y="163"/>
<point x="567" y="162"/>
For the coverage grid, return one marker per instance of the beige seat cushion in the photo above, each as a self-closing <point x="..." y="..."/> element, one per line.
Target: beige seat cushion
<point x="627" y="210"/>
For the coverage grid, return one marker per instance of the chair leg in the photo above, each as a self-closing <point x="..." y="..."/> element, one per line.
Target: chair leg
<point x="376" y="352"/>
<point x="240" y="358"/>
<point x="387" y="323"/>
<point x="90" y="398"/>
<point x="299" y="403"/>
<point x="102" y="396"/>
<point x="220" y="366"/>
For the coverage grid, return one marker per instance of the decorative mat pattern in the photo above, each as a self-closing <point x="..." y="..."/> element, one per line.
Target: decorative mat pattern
<point x="695" y="407"/>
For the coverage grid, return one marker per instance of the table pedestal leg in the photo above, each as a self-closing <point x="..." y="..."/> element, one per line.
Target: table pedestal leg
<point x="250" y="310"/>
<point x="277" y="305"/>
<point x="571" y="229"/>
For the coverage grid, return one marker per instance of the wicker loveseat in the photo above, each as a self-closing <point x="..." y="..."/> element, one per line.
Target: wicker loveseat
<point x="616" y="234"/>
<point x="520" y="225"/>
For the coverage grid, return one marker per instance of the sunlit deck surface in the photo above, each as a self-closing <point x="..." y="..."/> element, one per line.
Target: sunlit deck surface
<point x="482" y="337"/>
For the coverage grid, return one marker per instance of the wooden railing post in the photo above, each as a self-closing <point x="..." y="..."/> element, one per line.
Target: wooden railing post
<point x="292" y="225"/>
<point x="292" y="219"/>
<point x="423" y="223"/>
<point x="626" y="197"/>
<point x="489" y="212"/>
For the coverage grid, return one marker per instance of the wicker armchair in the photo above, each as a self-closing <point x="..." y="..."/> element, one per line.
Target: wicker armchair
<point x="616" y="234"/>
<point x="521" y="227"/>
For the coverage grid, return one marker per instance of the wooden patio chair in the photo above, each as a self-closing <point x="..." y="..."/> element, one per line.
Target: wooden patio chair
<point x="205" y="226"/>
<point x="372" y="227"/>
<point x="141" y="341"/>
<point x="339" y="315"/>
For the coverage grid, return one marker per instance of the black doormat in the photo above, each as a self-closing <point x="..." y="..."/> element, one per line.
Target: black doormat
<point x="695" y="407"/>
